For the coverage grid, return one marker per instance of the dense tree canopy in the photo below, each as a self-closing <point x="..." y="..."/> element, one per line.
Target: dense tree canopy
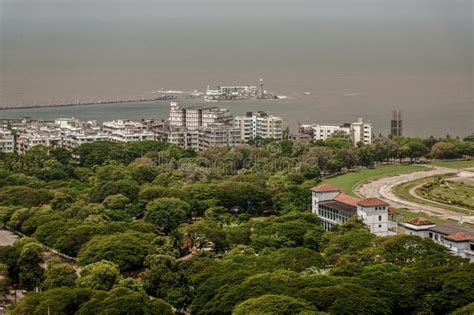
<point x="224" y="230"/>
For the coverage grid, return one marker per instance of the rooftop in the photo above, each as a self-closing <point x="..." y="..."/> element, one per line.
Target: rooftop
<point x="348" y="199"/>
<point x="460" y="237"/>
<point x="452" y="230"/>
<point x="340" y="206"/>
<point x="325" y="188"/>
<point x="420" y="221"/>
<point x="372" y="202"/>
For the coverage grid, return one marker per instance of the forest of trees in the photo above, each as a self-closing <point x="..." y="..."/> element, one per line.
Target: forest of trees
<point x="156" y="229"/>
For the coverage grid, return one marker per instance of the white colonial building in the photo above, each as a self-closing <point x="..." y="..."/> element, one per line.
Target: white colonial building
<point x="459" y="239"/>
<point x="335" y="207"/>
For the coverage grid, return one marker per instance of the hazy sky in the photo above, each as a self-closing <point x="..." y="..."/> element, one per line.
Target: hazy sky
<point x="409" y="54"/>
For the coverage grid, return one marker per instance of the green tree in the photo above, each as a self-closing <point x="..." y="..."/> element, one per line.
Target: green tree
<point x="102" y="275"/>
<point x="416" y="148"/>
<point x="29" y="265"/>
<point x="59" y="275"/>
<point x="274" y="304"/>
<point x="127" y="250"/>
<point x="167" y="213"/>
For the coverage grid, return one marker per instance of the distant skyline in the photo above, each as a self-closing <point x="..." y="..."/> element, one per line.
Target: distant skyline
<point x="354" y="57"/>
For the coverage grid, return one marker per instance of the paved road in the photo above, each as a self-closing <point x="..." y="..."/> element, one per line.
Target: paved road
<point x="7" y="237"/>
<point x="383" y="188"/>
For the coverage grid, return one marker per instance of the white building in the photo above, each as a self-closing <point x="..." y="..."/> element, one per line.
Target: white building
<point x="27" y="141"/>
<point x="259" y="124"/>
<point x="359" y="131"/>
<point x="231" y="92"/>
<point x="335" y="207"/>
<point x="195" y="117"/>
<point x="212" y="135"/>
<point x="459" y="239"/>
<point x="219" y="135"/>
<point x="7" y="141"/>
<point x="73" y="140"/>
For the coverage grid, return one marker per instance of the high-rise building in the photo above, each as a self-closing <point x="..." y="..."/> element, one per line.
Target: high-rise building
<point x="194" y="117"/>
<point x="259" y="124"/>
<point x="396" y="127"/>
<point x="361" y="132"/>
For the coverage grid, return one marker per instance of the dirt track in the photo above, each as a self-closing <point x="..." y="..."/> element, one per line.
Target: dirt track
<point x="7" y="237"/>
<point x="383" y="188"/>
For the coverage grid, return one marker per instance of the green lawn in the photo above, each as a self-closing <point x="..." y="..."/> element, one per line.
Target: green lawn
<point x="454" y="164"/>
<point x="347" y="182"/>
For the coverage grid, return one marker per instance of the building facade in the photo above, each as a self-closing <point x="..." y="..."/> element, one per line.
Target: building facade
<point x="259" y="125"/>
<point x="7" y="141"/>
<point x="335" y="207"/>
<point x="458" y="239"/>
<point x="358" y="131"/>
<point x="396" y="126"/>
<point x="196" y="117"/>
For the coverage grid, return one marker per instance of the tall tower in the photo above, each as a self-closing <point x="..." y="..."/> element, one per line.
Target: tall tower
<point x="261" y="90"/>
<point x="396" y="123"/>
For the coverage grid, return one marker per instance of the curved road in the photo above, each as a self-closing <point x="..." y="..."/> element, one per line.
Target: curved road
<point x="383" y="188"/>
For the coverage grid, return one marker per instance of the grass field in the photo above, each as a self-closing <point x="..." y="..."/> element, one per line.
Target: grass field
<point x="349" y="181"/>
<point x="451" y="193"/>
<point x="454" y="164"/>
<point x="403" y="191"/>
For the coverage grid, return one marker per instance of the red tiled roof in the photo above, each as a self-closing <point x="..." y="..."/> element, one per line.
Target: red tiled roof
<point x="325" y="188"/>
<point x="348" y="199"/>
<point x="392" y="211"/>
<point x="372" y="202"/>
<point x="460" y="236"/>
<point x="420" y="221"/>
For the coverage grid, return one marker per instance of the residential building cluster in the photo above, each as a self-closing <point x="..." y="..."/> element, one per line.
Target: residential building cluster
<point x="358" y="131"/>
<point x="195" y="127"/>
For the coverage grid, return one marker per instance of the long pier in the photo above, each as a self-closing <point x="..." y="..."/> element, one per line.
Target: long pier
<point x="80" y="103"/>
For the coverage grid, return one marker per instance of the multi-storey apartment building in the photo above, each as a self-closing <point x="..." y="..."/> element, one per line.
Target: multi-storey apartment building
<point x="212" y="135"/>
<point x="7" y="141"/>
<point x="361" y="132"/>
<point x="218" y="135"/>
<point x="259" y="125"/>
<point x="358" y="131"/>
<point x="195" y="117"/>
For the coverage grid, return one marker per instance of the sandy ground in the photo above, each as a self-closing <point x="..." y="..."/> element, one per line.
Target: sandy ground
<point x="383" y="189"/>
<point x="7" y="238"/>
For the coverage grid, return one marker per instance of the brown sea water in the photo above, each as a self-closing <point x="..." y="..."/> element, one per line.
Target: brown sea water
<point x="357" y="58"/>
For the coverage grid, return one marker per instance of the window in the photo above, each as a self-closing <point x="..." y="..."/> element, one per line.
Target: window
<point x="380" y="225"/>
<point x="380" y="218"/>
<point x="431" y="235"/>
